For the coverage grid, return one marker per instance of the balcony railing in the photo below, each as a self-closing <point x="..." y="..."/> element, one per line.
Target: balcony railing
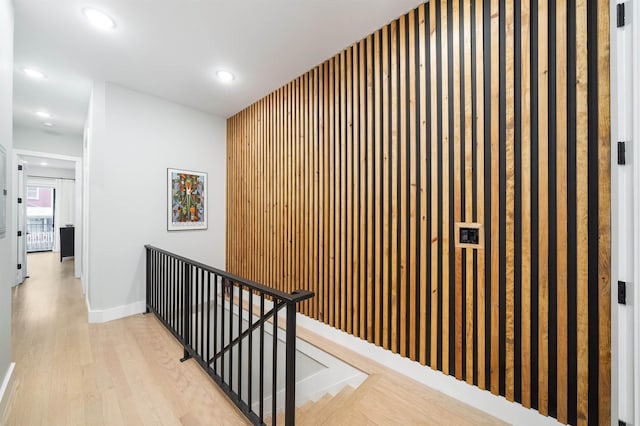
<point x="39" y="236"/>
<point x="229" y="325"/>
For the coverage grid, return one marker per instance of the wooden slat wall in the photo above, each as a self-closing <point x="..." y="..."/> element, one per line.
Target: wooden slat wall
<point x="348" y="182"/>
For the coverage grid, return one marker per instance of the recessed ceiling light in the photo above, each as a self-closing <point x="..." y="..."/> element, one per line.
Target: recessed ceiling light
<point x="99" y="19"/>
<point x="225" y="76"/>
<point x="44" y="163"/>
<point x="25" y="161"/>
<point x="43" y="114"/>
<point x="34" y="73"/>
<point x="47" y="124"/>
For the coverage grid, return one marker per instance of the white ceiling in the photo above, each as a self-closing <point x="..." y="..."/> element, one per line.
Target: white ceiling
<point x="172" y="48"/>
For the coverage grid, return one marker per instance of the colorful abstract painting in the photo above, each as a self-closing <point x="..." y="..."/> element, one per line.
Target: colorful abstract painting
<point x="187" y="200"/>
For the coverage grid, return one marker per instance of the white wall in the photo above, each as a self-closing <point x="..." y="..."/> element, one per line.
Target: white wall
<point x="39" y="140"/>
<point x="132" y="139"/>
<point x="7" y="248"/>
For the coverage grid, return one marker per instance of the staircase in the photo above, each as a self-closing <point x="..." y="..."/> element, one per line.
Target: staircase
<point x="330" y="409"/>
<point x="386" y="399"/>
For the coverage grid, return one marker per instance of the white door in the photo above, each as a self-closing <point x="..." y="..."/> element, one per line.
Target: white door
<point x="625" y="211"/>
<point x="21" y="219"/>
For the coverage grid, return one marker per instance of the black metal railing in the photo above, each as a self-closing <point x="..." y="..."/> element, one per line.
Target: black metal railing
<point x="224" y="322"/>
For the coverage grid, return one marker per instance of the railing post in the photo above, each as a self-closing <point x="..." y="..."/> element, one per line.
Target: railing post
<point x="187" y="311"/>
<point x="290" y="374"/>
<point x="148" y="260"/>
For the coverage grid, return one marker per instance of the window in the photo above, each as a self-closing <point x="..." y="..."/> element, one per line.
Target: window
<point x="33" y="193"/>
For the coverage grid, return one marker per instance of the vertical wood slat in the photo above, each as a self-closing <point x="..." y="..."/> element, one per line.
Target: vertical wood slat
<point x="468" y="327"/>
<point x="444" y="211"/>
<point x="582" y="187"/>
<point x="435" y="238"/>
<point x="385" y="189"/>
<point x="480" y="117"/>
<point x="543" y="207"/>
<point x="526" y="204"/>
<point x="423" y="356"/>
<point x="333" y="186"/>
<point x="412" y="142"/>
<point x="562" y="213"/>
<point x="363" y="193"/>
<point x="356" y="194"/>
<point x="494" y="214"/>
<point x="342" y="143"/>
<point x="370" y="164"/>
<point x="394" y="188"/>
<point x="349" y="194"/>
<point x="403" y="186"/>
<point x="458" y="177"/>
<point x="510" y="201"/>
<point x="377" y="172"/>
<point x="332" y="196"/>
<point x="604" y="215"/>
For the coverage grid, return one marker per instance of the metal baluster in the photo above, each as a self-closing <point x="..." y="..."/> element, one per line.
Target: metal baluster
<point x="231" y="288"/>
<point x="240" y="311"/>
<point x="290" y="373"/>
<point x="147" y="258"/>
<point x="162" y="291"/>
<point x="208" y="316"/>
<point x="202" y="323"/>
<point x="275" y="366"/>
<point x="174" y="294"/>
<point x="187" y="310"/>
<point x="180" y="302"/>
<point x="261" y="358"/>
<point x="215" y="321"/>
<point x="196" y="327"/>
<point x="250" y="351"/>
<point x="156" y="280"/>
<point x="222" y="328"/>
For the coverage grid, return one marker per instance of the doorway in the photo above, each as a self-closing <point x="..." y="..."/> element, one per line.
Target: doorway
<point x="36" y="176"/>
<point x="40" y="223"/>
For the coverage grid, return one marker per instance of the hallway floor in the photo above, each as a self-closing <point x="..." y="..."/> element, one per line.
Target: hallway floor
<point x="69" y="372"/>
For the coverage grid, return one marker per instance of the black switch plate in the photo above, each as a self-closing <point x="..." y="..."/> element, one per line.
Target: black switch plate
<point x="622" y="292"/>
<point x="469" y="235"/>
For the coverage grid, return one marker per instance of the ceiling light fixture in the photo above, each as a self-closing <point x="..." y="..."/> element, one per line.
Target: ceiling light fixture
<point x="34" y="73"/>
<point x="225" y="76"/>
<point x="43" y="114"/>
<point x="47" y="124"/>
<point x="99" y="19"/>
<point x="43" y="163"/>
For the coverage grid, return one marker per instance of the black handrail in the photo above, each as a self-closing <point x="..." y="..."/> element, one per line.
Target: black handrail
<point x="192" y="300"/>
<point x="296" y="296"/>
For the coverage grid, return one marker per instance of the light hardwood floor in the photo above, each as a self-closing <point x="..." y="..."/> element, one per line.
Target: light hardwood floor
<point x="69" y="372"/>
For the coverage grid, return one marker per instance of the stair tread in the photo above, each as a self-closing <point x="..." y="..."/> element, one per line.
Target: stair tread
<point x="325" y="406"/>
<point x="313" y="405"/>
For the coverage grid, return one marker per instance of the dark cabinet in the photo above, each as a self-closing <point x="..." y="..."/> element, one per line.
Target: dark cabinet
<point x="66" y="242"/>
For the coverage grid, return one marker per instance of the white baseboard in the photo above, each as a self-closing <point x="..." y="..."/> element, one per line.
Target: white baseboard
<point x="483" y="400"/>
<point x="105" y="315"/>
<point x="6" y="389"/>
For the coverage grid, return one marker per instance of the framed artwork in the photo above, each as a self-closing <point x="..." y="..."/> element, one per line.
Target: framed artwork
<point x="186" y="200"/>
